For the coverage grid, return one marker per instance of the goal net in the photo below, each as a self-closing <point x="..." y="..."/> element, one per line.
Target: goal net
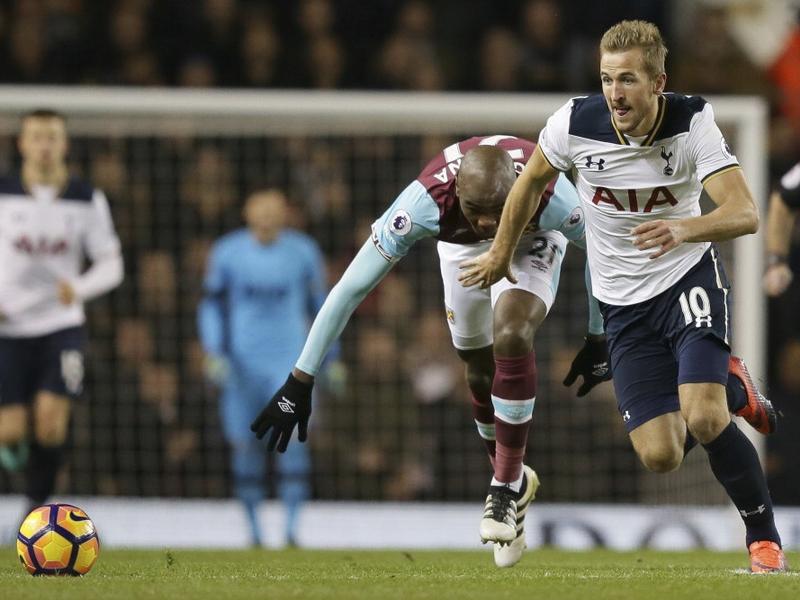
<point x="176" y="166"/>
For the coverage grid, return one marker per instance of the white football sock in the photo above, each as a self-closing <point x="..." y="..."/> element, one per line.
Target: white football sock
<point x="514" y="486"/>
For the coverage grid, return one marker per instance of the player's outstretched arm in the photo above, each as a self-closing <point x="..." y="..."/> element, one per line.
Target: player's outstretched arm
<point x="736" y="215"/>
<point x="521" y="204"/>
<point x="780" y="224"/>
<point x="291" y="404"/>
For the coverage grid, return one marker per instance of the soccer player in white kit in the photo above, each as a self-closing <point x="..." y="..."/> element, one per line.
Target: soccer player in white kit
<point x="641" y="159"/>
<point x="49" y="223"/>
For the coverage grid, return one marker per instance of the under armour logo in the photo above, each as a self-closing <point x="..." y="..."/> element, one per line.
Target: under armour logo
<point x="287" y="405"/>
<point x="627" y="416"/>
<point x="761" y="508"/>
<point x="703" y="321"/>
<point x="599" y="164"/>
<point x="668" y="170"/>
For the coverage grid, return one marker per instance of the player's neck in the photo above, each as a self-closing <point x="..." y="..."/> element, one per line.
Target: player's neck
<point x="56" y="177"/>
<point x="647" y="124"/>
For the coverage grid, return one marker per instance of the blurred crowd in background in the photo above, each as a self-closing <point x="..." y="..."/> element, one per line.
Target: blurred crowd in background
<point x="470" y="45"/>
<point x="150" y="425"/>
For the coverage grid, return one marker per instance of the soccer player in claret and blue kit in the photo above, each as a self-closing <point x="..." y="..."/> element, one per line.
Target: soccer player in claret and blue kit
<point x="642" y="158"/>
<point x="50" y="223"/>
<point x="458" y="198"/>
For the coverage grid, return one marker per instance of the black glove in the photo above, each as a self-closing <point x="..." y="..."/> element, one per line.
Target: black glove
<point x="591" y="362"/>
<point x="290" y="406"/>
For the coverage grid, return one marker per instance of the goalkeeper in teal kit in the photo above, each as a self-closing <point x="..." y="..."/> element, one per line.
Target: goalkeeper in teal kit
<point x="457" y="199"/>
<point x="263" y="286"/>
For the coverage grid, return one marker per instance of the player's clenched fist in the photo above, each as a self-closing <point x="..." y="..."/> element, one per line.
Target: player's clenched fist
<point x="290" y="406"/>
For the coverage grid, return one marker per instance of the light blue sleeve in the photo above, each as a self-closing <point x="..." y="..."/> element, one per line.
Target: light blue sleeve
<point x="317" y="285"/>
<point x="414" y="215"/>
<point x="365" y="271"/>
<point x="212" y="310"/>
<point x="595" y="316"/>
<point x="564" y="212"/>
<point x="316" y="290"/>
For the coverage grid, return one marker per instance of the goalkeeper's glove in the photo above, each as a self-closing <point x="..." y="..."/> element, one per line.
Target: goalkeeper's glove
<point x="592" y="363"/>
<point x="290" y="406"/>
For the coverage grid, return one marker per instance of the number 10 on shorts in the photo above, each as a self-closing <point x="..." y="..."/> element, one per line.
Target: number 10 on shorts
<point x="696" y="307"/>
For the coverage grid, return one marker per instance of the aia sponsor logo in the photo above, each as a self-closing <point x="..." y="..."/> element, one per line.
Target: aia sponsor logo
<point x="42" y="246"/>
<point x="636" y="202"/>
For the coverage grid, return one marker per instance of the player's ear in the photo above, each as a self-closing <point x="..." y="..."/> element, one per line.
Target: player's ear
<point x="660" y="83"/>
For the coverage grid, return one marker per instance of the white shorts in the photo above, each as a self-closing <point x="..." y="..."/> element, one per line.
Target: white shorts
<point x="536" y="265"/>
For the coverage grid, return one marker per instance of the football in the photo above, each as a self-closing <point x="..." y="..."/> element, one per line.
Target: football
<point x="57" y="539"/>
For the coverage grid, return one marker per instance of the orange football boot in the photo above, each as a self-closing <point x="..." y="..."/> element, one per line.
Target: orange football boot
<point x="758" y="411"/>
<point x="766" y="557"/>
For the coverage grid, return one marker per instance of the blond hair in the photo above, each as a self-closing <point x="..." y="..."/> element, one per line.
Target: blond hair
<point x="637" y="34"/>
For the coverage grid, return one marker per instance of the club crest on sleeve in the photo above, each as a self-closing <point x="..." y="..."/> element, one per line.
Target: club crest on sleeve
<point x="575" y="217"/>
<point x="400" y="223"/>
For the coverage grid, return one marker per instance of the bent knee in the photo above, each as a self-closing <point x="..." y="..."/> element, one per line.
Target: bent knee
<point x="51" y="432"/>
<point x="706" y="428"/>
<point x="13" y="424"/>
<point x="51" y="437"/>
<point x="662" y="460"/>
<point x="513" y="339"/>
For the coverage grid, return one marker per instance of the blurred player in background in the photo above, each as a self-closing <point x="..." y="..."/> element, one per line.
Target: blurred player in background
<point x="642" y="159"/>
<point x="263" y="286"/>
<point x="783" y="207"/>
<point x="49" y="223"/>
<point x="457" y="198"/>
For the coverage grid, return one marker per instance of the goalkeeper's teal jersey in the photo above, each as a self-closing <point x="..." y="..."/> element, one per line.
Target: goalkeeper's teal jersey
<point x="259" y="299"/>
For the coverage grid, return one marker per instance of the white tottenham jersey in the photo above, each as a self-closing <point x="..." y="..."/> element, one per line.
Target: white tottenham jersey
<point x="623" y="182"/>
<point x="44" y="239"/>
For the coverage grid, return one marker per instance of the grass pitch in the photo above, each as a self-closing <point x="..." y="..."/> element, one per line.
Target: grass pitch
<point x="406" y="575"/>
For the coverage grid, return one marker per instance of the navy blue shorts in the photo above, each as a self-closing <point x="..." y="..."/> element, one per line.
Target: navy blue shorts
<point x="52" y="362"/>
<point x="680" y="336"/>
